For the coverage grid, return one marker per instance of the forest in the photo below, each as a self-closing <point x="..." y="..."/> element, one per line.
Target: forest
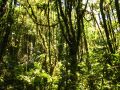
<point x="59" y="44"/>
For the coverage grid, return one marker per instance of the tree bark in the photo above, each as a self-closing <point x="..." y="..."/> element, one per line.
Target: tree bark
<point x="105" y="27"/>
<point x="117" y="10"/>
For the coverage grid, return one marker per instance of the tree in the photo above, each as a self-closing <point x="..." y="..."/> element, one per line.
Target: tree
<point x="59" y="44"/>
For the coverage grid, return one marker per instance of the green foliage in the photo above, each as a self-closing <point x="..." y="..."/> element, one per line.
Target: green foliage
<point x="43" y="50"/>
<point x="0" y="2"/>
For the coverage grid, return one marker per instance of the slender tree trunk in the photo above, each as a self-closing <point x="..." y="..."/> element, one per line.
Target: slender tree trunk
<point x="106" y="28"/>
<point x="117" y="10"/>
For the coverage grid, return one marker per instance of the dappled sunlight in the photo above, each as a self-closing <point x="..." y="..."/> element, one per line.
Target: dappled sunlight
<point x="59" y="45"/>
